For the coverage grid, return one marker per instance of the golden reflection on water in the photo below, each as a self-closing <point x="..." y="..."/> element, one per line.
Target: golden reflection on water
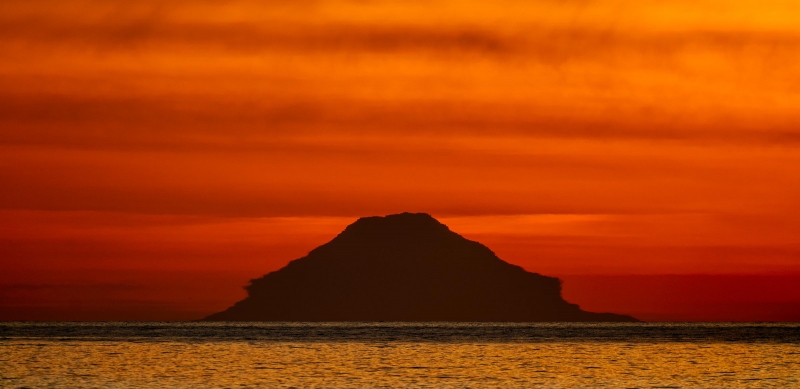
<point x="396" y="364"/>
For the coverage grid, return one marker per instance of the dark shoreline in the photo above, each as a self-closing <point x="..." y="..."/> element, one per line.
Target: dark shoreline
<point x="435" y="332"/>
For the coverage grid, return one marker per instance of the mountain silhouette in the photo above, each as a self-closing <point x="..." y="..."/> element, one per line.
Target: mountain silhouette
<point x="405" y="267"/>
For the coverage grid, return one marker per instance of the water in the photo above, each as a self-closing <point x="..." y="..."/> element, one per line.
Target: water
<point x="344" y="355"/>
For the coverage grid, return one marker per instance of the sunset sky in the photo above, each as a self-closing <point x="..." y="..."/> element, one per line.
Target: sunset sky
<point x="155" y="156"/>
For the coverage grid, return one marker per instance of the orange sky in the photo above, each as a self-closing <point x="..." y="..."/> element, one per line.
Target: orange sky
<point x="155" y="156"/>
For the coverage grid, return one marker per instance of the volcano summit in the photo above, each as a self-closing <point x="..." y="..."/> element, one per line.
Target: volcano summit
<point x="405" y="267"/>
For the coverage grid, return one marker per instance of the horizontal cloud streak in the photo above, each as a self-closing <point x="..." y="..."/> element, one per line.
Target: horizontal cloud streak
<point x="549" y="45"/>
<point x="175" y="123"/>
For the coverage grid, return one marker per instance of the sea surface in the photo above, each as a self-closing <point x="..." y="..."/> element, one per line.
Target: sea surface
<point x="369" y="355"/>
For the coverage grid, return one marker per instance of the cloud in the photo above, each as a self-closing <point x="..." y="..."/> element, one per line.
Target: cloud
<point x="54" y="288"/>
<point x="248" y="76"/>
<point x="547" y="32"/>
<point x="527" y="42"/>
<point x="212" y="123"/>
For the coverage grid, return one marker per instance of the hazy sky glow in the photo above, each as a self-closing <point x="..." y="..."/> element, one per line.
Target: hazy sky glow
<point x="161" y="154"/>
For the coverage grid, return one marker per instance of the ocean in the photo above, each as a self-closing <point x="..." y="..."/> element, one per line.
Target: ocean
<point x="424" y="355"/>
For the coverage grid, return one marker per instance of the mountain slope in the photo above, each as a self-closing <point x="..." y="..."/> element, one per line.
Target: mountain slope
<point x="405" y="267"/>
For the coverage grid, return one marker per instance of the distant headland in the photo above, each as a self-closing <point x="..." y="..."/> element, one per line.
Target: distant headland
<point x="405" y="267"/>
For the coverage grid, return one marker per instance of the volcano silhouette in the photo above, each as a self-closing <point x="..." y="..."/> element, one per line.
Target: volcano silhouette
<point x="405" y="267"/>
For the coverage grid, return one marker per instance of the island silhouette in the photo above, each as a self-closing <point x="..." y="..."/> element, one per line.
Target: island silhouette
<point x="405" y="267"/>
